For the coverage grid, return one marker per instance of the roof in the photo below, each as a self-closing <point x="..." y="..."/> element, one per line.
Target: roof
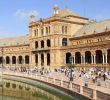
<point x="67" y="12"/>
<point x="93" y="28"/>
<point x="21" y="40"/>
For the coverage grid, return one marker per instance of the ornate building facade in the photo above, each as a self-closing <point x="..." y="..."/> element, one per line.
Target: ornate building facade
<point x="63" y="38"/>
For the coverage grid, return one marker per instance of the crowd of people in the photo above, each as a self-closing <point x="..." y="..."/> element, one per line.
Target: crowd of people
<point x="96" y="76"/>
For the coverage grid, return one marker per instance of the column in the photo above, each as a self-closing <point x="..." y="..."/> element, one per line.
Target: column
<point x="106" y="59"/>
<point x="74" y="62"/>
<point x="84" y="59"/>
<point x="94" y="59"/>
<point x="103" y="58"/>
<point x="81" y="59"/>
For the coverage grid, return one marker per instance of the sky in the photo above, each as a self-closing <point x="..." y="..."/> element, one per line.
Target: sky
<point x="15" y="14"/>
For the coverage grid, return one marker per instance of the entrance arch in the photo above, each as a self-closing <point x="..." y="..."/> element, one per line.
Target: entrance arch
<point x="13" y="60"/>
<point x="42" y="59"/>
<point x="26" y="59"/>
<point x="20" y="59"/>
<point x="108" y="56"/>
<point x="99" y="58"/>
<point x="48" y="59"/>
<point x="88" y="57"/>
<point x="68" y="55"/>
<point x="36" y="58"/>
<point x="7" y="60"/>
<point x="78" y="58"/>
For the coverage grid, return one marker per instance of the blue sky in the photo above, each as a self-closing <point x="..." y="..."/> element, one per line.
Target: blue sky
<point x="14" y="14"/>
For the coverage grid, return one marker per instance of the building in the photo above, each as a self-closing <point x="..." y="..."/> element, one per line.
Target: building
<point x="63" y="38"/>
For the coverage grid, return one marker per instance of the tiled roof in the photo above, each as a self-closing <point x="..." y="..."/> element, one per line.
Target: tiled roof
<point x="93" y="28"/>
<point x="21" y="40"/>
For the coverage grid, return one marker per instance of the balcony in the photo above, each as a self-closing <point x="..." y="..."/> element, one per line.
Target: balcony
<point x="40" y="49"/>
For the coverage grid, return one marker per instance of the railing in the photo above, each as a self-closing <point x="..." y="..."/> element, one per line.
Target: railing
<point x="85" y="91"/>
<point x="40" y="49"/>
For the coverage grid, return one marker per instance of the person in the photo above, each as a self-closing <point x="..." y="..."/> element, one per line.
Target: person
<point x="86" y="79"/>
<point x="104" y="76"/>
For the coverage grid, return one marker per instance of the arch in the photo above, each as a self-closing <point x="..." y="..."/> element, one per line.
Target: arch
<point x="99" y="58"/>
<point x="78" y="58"/>
<point x="108" y="56"/>
<point x="20" y="59"/>
<point x="48" y="58"/>
<point x="1" y="60"/>
<point x="13" y="60"/>
<point x="88" y="57"/>
<point x="36" y="44"/>
<point x="42" y="59"/>
<point x="64" y="42"/>
<point x="36" y="58"/>
<point x="42" y="44"/>
<point x="26" y="59"/>
<point x="68" y="55"/>
<point x="7" y="59"/>
<point x="48" y="43"/>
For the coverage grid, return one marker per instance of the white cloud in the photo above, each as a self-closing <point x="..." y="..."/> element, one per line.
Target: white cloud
<point x="23" y="14"/>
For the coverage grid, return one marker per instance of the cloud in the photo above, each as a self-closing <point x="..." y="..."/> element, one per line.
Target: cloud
<point x="22" y="14"/>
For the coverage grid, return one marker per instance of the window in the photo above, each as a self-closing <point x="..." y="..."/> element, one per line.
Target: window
<point x="35" y="32"/>
<point x="36" y="44"/>
<point x="46" y="30"/>
<point x="42" y="31"/>
<point x="64" y="42"/>
<point x="48" y="43"/>
<point x="42" y="44"/>
<point x="64" y="29"/>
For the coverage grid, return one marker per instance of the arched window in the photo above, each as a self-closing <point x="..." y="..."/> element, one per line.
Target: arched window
<point x="7" y="60"/>
<point x="26" y="59"/>
<point x="64" y="42"/>
<point x="36" y="44"/>
<point x="13" y="60"/>
<point x="42" y="44"/>
<point x="48" y="43"/>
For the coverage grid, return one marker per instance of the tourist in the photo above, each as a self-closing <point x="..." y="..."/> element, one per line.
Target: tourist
<point x="86" y="79"/>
